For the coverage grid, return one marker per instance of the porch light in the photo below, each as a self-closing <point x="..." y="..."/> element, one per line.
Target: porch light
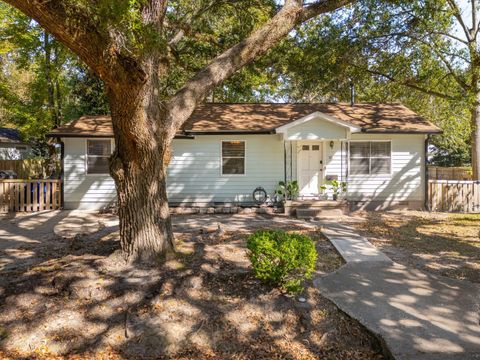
<point x="331" y="144"/>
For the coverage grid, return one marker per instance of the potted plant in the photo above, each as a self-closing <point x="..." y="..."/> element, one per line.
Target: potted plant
<point x="288" y="191"/>
<point x="337" y="187"/>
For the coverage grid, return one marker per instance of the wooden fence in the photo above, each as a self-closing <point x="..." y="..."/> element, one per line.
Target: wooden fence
<point x="29" y="195"/>
<point x="28" y="168"/>
<point x="449" y="173"/>
<point x="454" y="196"/>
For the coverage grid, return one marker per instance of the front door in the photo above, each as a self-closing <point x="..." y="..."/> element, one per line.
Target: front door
<point x="310" y="168"/>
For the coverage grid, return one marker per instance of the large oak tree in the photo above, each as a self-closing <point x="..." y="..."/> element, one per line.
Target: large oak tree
<point x="131" y="46"/>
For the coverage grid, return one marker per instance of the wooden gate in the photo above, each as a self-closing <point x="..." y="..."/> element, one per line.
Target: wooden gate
<point x="18" y="195"/>
<point x="454" y="196"/>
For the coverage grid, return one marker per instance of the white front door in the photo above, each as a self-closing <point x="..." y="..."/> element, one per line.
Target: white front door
<point x="310" y="168"/>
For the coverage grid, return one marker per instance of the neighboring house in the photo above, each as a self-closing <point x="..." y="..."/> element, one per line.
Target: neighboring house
<point x="11" y="145"/>
<point x="225" y="151"/>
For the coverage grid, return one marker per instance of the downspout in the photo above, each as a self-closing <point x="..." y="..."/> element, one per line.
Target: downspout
<point x="426" y="199"/>
<point x="347" y="158"/>
<point x="285" y="161"/>
<point x="341" y="161"/>
<point x="291" y="161"/>
<point x="62" y="173"/>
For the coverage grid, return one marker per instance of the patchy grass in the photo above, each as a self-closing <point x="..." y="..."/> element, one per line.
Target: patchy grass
<point x="203" y="303"/>
<point x="447" y="244"/>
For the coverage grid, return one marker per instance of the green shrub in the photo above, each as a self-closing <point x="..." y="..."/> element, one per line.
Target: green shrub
<point x="282" y="259"/>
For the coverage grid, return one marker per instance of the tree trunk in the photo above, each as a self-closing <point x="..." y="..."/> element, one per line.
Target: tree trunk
<point x="47" y="47"/>
<point x="138" y="166"/>
<point x="475" y="124"/>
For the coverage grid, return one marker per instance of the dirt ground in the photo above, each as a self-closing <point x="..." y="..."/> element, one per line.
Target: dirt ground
<point x="68" y="297"/>
<point x="446" y="244"/>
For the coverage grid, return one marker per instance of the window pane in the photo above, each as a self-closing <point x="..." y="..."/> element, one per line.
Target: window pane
<point x="316" y="147"/>
<point x="305" y="147"/>
<point x="97" y="165"/>
<point x="233" y="148"/>
<point x="359" y="166"/>
<point x="380" y="149"/>
<point x="359" y="149"/>
<point x="99" y="147"/>
<point x="380" y="166"/>
<point x="233" y="166"/>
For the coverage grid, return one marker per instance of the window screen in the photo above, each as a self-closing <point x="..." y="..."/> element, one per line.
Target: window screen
<point x="98" y="153"/>
<point x="370" y="157"/>
<point x="233" y="157"/>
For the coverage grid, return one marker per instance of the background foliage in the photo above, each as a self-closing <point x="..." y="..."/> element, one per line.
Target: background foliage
<point x="43" y="85"/>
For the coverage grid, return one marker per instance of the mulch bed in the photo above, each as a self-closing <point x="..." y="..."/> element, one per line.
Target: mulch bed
<point x="202" y="303"/>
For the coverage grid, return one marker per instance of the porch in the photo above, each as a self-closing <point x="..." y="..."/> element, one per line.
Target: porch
<point x="316" y="152"/>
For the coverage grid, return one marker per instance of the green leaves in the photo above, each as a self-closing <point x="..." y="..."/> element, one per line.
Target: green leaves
<point x="289" y="190"/>
<point x="282" y="259"/>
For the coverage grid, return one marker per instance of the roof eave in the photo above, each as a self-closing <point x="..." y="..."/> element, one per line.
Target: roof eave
<point x="231" y="132"/>
<point x="406" y="132"/>
<point x="104" y="136"/>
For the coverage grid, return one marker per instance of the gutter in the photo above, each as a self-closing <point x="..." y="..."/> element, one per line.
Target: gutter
<point x="425" y="197"/>
<point x="232" y="132"/>
<point x="409" y="132"/>
<point x="71" y="135"/>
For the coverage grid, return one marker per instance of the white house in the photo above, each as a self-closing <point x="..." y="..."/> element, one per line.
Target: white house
<point x="225" y="151"/>
<point x="11" y="145"/>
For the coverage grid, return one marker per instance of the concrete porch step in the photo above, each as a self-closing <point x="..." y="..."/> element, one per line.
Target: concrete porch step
<point x="319" y="204"/>
<point x="306" y="213"/>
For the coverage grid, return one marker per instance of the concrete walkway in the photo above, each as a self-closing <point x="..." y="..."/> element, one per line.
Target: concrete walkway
<point x="352" y="247"/>
<point x="418" y="315"/>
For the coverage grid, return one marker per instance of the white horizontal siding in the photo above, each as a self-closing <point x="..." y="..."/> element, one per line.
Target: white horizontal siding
<point x="81" y="190"/>
<point x="317" y="129"/>
<point x="194" y="173"/>
<point x="406" y="181"/>
<point x="404" y="184"/>
<point x="336" y="160"/>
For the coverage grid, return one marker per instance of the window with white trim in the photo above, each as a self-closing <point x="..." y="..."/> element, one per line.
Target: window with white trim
<point x="98" y="154"/>
<point x="233" y="157"/>
<point x="370" y="157"/>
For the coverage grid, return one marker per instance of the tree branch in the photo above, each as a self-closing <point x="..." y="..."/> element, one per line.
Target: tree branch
<point x="435" y="49"/>
<point x="77" y="29"/>
<point x="189" y="21"/>
<point x="458" y="15"/>
<point x="474" y="18"/>
<point x="182" y="104"/>
<point x="410" y="84"/>
<point x="450" y="36"/>
<point x="153" y="12"/>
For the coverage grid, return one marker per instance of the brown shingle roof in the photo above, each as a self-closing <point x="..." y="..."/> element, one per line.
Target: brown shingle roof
<point x="98" y="125"/>
<point x="207" y="118"/>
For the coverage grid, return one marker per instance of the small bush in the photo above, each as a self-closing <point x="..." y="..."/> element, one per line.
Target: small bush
<point x="282" y="259"/>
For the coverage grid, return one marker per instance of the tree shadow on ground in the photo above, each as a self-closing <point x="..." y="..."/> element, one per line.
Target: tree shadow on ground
<point x="201" y="303"/>
<point x="448" y="245"/>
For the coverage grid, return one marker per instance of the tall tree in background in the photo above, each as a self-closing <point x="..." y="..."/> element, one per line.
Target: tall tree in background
<point x="131" y="46"/>
<point x="33" y="66"/>
<point x="403" y="42"/>
<point x="324" y="57"/>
